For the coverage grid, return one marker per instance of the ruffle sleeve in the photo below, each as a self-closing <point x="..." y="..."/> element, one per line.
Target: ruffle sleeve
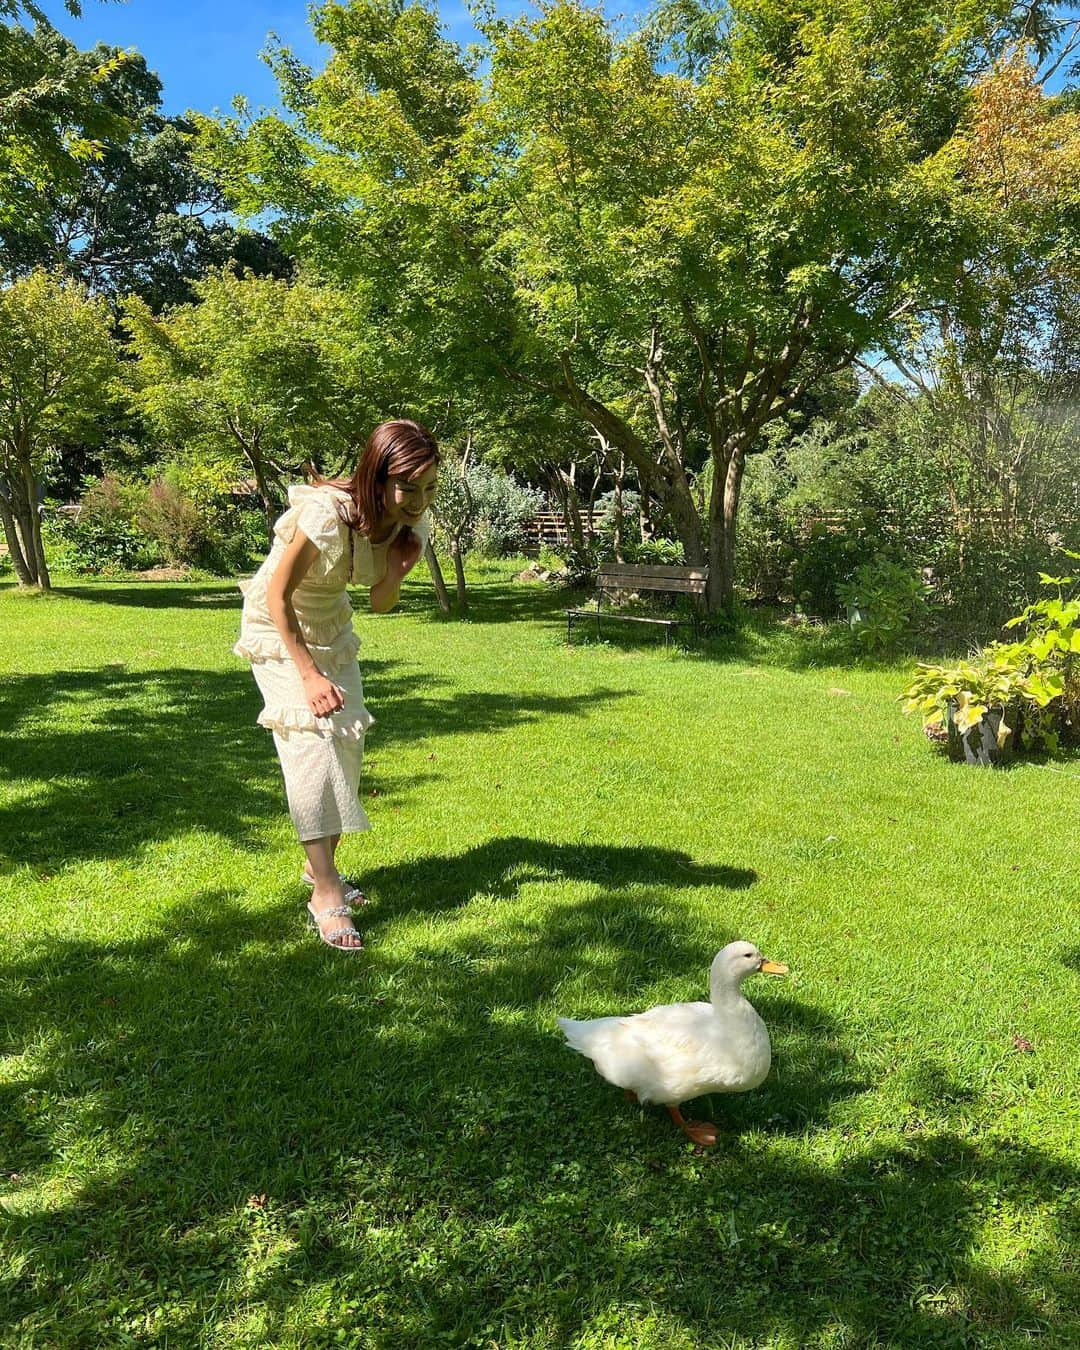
<point x="313" y="511"/>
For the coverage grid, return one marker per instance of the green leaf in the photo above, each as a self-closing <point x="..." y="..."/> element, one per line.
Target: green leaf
<point x="969" y="713"/>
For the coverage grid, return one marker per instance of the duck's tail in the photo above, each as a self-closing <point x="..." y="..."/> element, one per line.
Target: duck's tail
<point x="589" y="1037"/>
<point x="575" y="1032"/>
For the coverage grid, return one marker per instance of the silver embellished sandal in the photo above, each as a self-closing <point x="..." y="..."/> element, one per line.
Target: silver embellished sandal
<point x="353" y="894"/>
<point x="333" y="938"/>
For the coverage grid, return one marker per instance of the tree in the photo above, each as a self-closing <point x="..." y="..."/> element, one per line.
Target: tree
<point x="57" y="364"/>
<point x="261" y="374"/>
<point x="454" y="509"/>
<point x="137" y="215"/>
<point x="992" y="386"/>
<point x="13" y="9"/>
<point x="56" y="105"/>
<point x="673" y="234"/>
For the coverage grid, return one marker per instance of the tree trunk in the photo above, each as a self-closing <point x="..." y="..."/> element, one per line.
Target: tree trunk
<point x="33" y="544"/>
<point x="269" y="505"/>
<point x="570" y="502"/>
<point x="687" y="522"/>
<point x="666" y="479"/>
<point x="590" y="516"/>
<point x="267" y="481"/>
<point x="723" y="515"/>
<point x="22" y="512"/>
<point x="439" y="582"/>
<point x="459" y="575"/>
<point x="11" y="535"/>
<point x="620" y="479"/>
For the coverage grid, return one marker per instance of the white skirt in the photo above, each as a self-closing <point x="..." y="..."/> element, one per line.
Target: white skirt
<point x="321" y="758"/>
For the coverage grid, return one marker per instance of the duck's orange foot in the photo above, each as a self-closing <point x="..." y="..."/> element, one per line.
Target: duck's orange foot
<point x="702" y="1132"/>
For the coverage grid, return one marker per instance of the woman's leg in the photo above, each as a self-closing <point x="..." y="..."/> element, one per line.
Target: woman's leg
<point x="328" y="893"/>
<point x="333" y="841"/>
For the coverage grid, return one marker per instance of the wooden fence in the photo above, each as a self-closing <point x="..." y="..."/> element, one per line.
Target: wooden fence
<point x="547" y="529"/>
<point x="993" y="517"/>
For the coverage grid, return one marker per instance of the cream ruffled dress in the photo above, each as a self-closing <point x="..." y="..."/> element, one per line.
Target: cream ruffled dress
<point x="321" y="757"/>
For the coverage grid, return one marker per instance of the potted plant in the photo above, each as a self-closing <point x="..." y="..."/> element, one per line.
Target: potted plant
<point x="985" y="702"/>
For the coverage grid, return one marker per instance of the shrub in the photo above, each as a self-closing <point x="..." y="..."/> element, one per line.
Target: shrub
<point x="826" y="558"/>
<point x="604" y="519"/>
<point x="549" y="561"/>
<point x="654" y="552"/>
<point x="885" y="601"/>
<point x="765" y="550"/>
<point x="170" y="517"/>
<point x="95" y="543"/>
<point x="981" y="580"/>
<point x="502" y="508"/>
<point x="110" y="499"/>
<point x="239" y="542"/>
<point x="1034" y="683"/>
<point x="125" y="525"/>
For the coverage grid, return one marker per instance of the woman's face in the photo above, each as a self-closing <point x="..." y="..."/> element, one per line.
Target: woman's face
<point x="408" y="498"/>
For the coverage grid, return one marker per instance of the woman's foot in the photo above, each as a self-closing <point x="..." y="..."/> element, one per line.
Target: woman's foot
<point x="333" y="918"/>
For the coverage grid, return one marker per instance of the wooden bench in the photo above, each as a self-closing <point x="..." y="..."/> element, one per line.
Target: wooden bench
<point x="616" y="579"/>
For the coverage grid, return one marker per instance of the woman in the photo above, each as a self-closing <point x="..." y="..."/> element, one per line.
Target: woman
<point x="297" y="632"/>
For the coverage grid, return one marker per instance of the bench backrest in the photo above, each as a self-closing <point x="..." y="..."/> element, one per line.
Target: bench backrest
<point x="642" y="577"/>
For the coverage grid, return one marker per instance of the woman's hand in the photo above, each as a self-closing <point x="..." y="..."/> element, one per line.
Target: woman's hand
<point x="404" y="552"/>
<point x="323" y="696"/>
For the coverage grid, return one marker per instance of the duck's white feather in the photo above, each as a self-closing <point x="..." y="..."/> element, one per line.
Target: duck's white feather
<point x="678" y="1050"/>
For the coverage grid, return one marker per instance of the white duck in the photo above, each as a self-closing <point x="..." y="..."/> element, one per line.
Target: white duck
<point x="683" y="1050"/>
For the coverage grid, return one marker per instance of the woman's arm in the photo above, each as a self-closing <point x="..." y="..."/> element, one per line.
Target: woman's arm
<point x="323" y="696"/>
<point x="401" y="557"/>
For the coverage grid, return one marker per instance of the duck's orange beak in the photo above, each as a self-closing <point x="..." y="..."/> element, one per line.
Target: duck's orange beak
<point x="773" y="968"/>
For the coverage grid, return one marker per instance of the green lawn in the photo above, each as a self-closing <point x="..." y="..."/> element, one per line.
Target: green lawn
<point x="216" y="1132"/>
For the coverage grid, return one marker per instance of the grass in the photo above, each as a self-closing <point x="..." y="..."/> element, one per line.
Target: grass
<point x="214" y="1132"/>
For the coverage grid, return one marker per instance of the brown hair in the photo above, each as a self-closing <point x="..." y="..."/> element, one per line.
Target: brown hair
<point x="400" y="448"/>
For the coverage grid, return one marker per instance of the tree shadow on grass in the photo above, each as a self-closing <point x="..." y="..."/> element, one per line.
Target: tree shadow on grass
<point x="1071" y="957"/>
<point x="494" y="602"/>
<point x="158" y="594"/>
<point x="500" y="867"/>
<point x="757" y="637"/>
<point x="400" y="1149"/>
<point x="761" y="637"/>
<point x="100" y="762"/>
<point x="489" y="602"/>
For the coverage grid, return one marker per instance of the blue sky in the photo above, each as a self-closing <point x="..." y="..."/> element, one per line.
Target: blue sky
<point x="206" y="51"/>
